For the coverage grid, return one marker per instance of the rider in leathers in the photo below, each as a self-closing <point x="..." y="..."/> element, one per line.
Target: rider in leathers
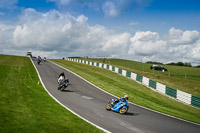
<point x="123" y="99"/>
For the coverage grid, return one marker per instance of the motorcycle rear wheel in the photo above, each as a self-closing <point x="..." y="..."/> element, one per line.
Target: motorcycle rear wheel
<point x="108" y="107"/>
<point x="123" y="110"/>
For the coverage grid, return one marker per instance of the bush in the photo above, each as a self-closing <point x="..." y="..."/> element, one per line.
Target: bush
<point x="153" y="62"/>
<point x="180" y="64"/>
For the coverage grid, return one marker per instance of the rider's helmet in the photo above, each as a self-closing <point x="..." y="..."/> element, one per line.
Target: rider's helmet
<point x="126" y="97"/>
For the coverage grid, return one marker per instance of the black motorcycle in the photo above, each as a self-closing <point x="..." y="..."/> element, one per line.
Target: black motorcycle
<point x="63" y="84"/>
<point x="39" y="60"/>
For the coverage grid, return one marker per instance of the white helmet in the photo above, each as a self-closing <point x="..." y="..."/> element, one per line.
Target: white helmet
<point x="126" y="97"/>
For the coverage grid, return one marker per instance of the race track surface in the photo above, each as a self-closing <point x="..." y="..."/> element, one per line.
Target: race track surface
<point x="89" y="102"/>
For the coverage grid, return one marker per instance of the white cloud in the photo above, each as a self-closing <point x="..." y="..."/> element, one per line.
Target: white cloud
<point x="177" y="46"/>
<point x="177" y="36"/>
<point x="55" y="34"/>
<point x="110" y="9"/>
<point x="195" y="50"/>
<point x="82" y="19"/>
<point x="146" y="43"/>
<point x="64" y="34"/>
<point x="117" y="43"/>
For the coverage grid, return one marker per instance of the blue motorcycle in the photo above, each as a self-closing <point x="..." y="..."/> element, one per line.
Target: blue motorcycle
<point x="120" y="107"/>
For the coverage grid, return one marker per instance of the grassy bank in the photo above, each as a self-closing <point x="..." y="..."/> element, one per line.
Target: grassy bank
<point x="182" y="78"/>
<point x="26" y="107"/>
<point x="139" y="94"/>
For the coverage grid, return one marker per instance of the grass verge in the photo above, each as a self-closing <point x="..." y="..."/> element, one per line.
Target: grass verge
<point x="139" y="94"/>
<point x="186" y="79"/>
<point x="26" y="106"/>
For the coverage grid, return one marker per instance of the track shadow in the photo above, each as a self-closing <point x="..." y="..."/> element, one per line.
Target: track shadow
<point x="135" y="114"/>
<point x="132" y="114"/>
<point x="68" y="91"/>
<point x="129" y="113"/>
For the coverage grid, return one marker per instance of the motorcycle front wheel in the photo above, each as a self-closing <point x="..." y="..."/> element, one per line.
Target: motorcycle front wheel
<point x="123" y="110"/>
<point x="62" y="88"/>
<point x="108" y="107"/>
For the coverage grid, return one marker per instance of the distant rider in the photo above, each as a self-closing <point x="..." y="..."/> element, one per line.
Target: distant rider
<point x="123" y="99"/>
<point x="61" y="77"/>
<point x="39" y="60"/>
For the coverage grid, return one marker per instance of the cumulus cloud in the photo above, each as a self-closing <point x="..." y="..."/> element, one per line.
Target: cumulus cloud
<point x="54" y="34"/>
<point x="63" y="34"/>
<point x="110" y="9"/>
<point x="146" y="43"/>
<point x="116" y="43"/>
<point x="176" y="46"/>
<point x="48" y="31"/>
<point x="177" y="36"/>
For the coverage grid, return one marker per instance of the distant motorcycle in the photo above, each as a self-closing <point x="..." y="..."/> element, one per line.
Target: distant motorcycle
<point x="120" y="107"/>
<point x="63" y="83"/>
<point x="45" y="59"/>
<point x="39" y="60"/>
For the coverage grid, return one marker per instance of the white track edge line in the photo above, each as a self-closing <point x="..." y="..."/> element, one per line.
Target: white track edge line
<point x="129" y="102"/>
<point x="65" y="106"/>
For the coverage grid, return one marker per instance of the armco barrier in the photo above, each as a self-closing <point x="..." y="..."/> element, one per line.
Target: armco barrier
<point x="184" y="97"/>
<point x="139" y="78"/>
<point x="133" y="76"/>
<point x="107" y="66"/>
<point x="128" y="74"/>
<point x="177" y="94"/>
<point x="145" y="81"/>
<point x="113" y="68"/>
<point x="124" y="72"/>
<point x="116" y="69"/>
<point x="152" y="84"/>
<point x="120" y="71"/>
<point x="171" y="92"/>
<point x="195" y="101"/>
<point x="161" y="88"/>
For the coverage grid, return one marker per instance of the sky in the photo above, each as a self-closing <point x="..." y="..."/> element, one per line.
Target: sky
<point x="140" y="30"/>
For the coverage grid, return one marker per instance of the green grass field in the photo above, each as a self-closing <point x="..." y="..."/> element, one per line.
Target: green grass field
<point x="186" y="79"/>
<point x="26" y="107"/>
<point x="139" y="94"/>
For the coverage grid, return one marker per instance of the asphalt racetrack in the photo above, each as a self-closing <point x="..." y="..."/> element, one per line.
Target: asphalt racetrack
<point x="89" y="102"/>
